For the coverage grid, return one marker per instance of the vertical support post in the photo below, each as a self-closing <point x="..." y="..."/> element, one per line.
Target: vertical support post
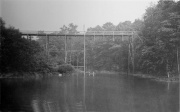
<point x="94" y="36"/>
<point x="77" y="61"/>
<point x="128" y="56"/>
<point x="30" y="38"/>
<point x="132" y="52"/>
<point x="48" y="47"/>
<point x="72" y="54"/>
<point x="84" y="68"/>
<point x="113" y="35"/>
<point x="70" y="51"/>
<point x="103" y="36"/>
<point x="84" y="53"/>
<point x="92" y="67"/>
<point x="178" y="60"/>
<point x="122" y="38"/>
<point x="46" y="44"/>
<point x="65" y="49"/>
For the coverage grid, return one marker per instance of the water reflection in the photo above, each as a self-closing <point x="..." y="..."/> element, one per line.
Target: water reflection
<point x="99" y="93"/>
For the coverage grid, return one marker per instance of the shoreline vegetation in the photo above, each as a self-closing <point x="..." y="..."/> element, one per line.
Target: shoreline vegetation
<point x="153" y="52"/>
<point x="26" y="75"/>
<point x="64" y="69"/>
<point x="36" y="75"/>
<point x="159" y="78"/>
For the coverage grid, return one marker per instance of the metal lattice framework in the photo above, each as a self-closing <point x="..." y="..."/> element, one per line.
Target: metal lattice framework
<point x="78" y="33"/>
<point x="84" y="34"/>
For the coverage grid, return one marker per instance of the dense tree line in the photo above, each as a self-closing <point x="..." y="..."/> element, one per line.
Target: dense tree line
<point x="156" y="42"/>
<point x="56" y="44"/>
<point x="156" y="45"/>
<point x="161" y="38"/>
<point x="18" y="54"/>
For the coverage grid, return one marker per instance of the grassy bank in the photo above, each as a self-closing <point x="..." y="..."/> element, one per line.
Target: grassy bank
<point x="27" y="75"/>
<point x="174" y="78"/>
<point x="157" y="77"/>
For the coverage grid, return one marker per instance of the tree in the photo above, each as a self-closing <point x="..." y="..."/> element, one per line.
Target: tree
<point x="18" y="54"/>
<point x="56" y="45"/>
<point x="108" y="26"/>
<point x="160" y="38"/>
<point x="107" y="54"/>
<point x="71" y="29"/>
<point x="124" y="26"/>
<point x="97" y="28"/>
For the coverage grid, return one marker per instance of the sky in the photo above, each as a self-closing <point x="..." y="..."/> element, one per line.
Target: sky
<point x="50" y="15"/>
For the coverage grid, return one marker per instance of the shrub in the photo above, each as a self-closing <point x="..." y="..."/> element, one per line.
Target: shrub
<point x="65" y="68"/>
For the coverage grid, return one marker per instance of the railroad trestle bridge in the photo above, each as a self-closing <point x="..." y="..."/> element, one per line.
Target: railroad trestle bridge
<point x="113" y="35"/>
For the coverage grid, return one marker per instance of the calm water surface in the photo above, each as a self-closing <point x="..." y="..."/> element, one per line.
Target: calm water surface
<point x="101" y="93"/>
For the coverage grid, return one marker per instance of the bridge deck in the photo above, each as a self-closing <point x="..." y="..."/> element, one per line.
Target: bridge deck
<point x="103" y="33"/>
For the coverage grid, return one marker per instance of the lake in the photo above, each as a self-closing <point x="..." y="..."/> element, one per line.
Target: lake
<point x="99" y="93"/>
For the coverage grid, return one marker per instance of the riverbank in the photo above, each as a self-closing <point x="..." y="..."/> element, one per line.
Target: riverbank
<point x="36" y="75"/>
<point x="174" y="78"/>
<point x="26" y="75"/>
<point x="157" y="78"/>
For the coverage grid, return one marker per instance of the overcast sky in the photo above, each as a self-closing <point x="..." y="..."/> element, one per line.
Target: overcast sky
<point x="50" y="15"/>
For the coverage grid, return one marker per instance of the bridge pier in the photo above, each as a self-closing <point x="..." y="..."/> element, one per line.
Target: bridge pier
<point x="47" y="46"/>
<point x="65" y="45"/>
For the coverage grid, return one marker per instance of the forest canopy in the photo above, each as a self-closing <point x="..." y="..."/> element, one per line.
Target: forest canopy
<point x="156" y="45"/>
<point x="19" y="54"/>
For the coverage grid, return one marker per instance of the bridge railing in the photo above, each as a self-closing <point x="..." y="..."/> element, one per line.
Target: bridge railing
<point x="109" y="33"/>
<point x="26" y="32"/>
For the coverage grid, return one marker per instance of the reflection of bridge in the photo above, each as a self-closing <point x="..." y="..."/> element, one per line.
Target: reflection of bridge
<point x="103" y="34"/>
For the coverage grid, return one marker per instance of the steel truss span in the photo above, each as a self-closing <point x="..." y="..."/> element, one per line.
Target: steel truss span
<point x="112" y="34"/>
<point x="78" y="33"/>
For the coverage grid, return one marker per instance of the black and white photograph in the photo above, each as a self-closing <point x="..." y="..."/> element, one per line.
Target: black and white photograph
<point x="89" y="55"/>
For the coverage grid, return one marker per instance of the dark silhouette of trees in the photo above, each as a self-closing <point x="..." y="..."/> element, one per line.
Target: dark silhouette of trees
<point x="19" y="54"/>
<point x="156" y="45"/>
<point x="160" y="38"/>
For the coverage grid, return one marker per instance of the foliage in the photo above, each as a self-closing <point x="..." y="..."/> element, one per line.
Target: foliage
<point x="156" y="45"/>
<point x="106" y="54"/>
<point x="56" y="44"/>
<point x="65" y="68"/>
<point x="19" y="54"/>
<point x="71" y="29"/>
<point x="155" y="42"/>
<point x="160" y="38"/>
